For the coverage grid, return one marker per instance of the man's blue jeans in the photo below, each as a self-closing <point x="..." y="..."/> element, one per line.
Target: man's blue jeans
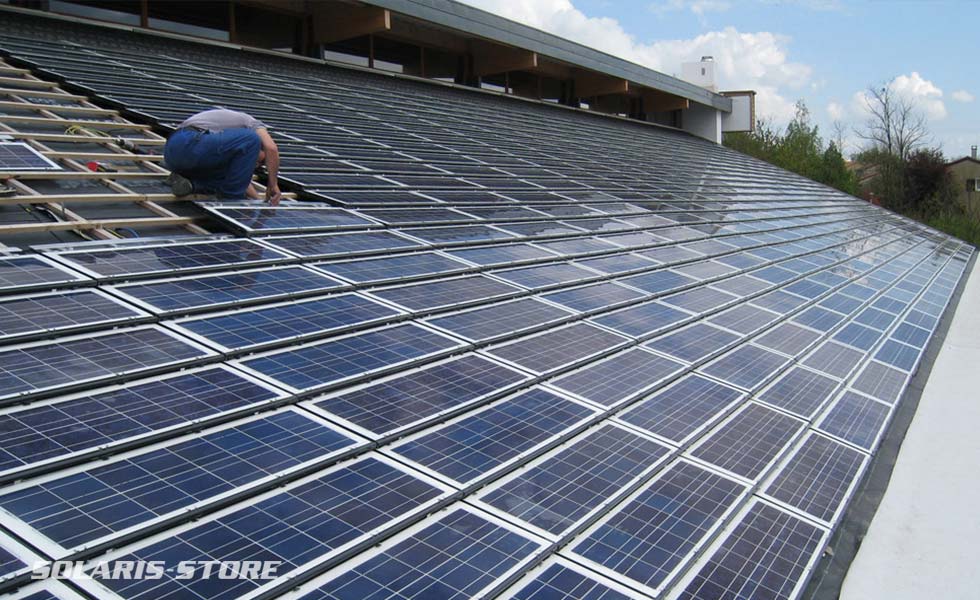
<point x="216" y="163"/>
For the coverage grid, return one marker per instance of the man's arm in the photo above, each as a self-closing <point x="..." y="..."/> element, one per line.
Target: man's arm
<point x="272" y="193"/>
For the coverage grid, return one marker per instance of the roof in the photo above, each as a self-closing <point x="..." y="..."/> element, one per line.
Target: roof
<point x="962" y="160"/>
<point x="496" y="349"/>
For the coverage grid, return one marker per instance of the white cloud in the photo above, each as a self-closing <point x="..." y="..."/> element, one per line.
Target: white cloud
<point x="922" y="93"/>
<point x="698" y="7"/>
<point x="836" y="111"/>
<point x="757" y="61"/>
<point x="962" y="96"/>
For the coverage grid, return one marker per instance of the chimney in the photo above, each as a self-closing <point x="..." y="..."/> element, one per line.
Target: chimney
<point x="973" y="152"/>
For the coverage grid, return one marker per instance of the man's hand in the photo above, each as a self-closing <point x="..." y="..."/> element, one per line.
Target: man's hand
<point x="273" y="195"/>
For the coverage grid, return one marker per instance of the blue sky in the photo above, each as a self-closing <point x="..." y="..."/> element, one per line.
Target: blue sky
<point x="825" y="52"/>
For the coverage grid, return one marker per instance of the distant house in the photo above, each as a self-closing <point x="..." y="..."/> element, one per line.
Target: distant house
<point x="865" y="173"/>
<point x="966" y="175"/>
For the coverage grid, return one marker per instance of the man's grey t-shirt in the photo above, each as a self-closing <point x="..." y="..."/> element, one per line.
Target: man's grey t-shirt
<point x="219" y="119"/>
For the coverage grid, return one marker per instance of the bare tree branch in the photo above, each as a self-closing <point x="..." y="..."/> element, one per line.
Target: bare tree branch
<point x="894" y="125"/>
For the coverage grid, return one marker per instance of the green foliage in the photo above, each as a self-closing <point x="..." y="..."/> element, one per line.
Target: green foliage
<point x="798" y="149"/>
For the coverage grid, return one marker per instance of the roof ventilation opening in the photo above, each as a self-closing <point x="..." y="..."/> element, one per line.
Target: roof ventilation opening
<point x="973" y="152"/>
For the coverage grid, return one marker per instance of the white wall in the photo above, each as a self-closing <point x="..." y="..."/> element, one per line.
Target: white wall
<point x="702" y="121"/>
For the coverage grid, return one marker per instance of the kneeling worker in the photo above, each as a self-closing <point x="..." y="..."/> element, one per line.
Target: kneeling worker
<point x="216" y="152"/>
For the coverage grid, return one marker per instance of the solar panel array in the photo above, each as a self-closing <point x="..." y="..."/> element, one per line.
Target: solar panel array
<point x="513" y="351"/>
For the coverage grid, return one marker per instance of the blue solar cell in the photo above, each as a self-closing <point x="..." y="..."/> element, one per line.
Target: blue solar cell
<point x="50" y="365"/>
<point x="448" y="292"/>
<point x="289" y="218"/>
<point x="619" y="263"/>
<point x="577" y="246"/>
<point x="841" y="303"/>
<point x="462" y="234"/>
<point x="881" y="381"/>
<point x="898" y="355"/>
<point x="818" y="318"/>
<point x="227" y="288"/>
<point x="799" y="391"/>
<point x="750" y="441"/>
<point x="859" y="336"/>
<point x="303" y="523"/>
<point x="474" y="445"/>
<point x="621" y="376"/>
<point x="455" y="557"/>
<point x="744" y="319"/>
<point x="542" y="276"/>
<point x="557" y="347"/>
<point x="856" y="419"/>
<point x="500" y="319"/>
<point x="766" y="536"/>
<point x="659" y="282"/>
<point x="548" y="228"/>
<point x="40" y="313"/>
<point x="146" y="260"/>
<point x="681" y="409"/>
<point x="707" y="269"/>
<point x="779" y="301"/>
<point x="342" y="244"/>
<point x="23" y="272"/>
<point x="670" y="254"/>
<point x="693" y="343"/>
<point x="89" y="421"/>
<point x="647" y="538"/>
<point x="817" y="478"/>
<point x="643" y="319"/>
<point x="501" y="255"/>
<point x="746" y="367"/>
<point x="559" y="491"/>
<point x="834" y="359"/>
<point x="268" y="324"/>
<point x="807" y="288"/>
<point x="321" y="364"/>
<point x="601" y="224"/>
<point x="404" y="216"/>
<point x="912" y="335"/>
<point x="414" y="397"/>
<point x="127" y="492"/>
<point x="558" y="582"/>
<point x="592" y="297"/>
<point x="10" y="562"/>
<point x="393" y="267"/>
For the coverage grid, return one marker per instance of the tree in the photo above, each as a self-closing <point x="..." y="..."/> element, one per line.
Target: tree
<point x="894" y="126"/>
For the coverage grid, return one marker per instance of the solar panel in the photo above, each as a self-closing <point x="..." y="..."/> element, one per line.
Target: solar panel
<point x="695" y="343"/>
<point x="38" y="367"/>
<point x="461" y="553"/>
<point x="459" y="235"/>
<point x="833" y="359"/>
<point x="342" y="244"/>
<point x="495" y="320"/>
<point x="659" y="281"/>
<point x="764" y="536"/>
<point x="187" y="294"/>
<point x="564" y="487"/>
<point x="679" y="411"/>
<point x="280" y="219"/>
<point x="91" y="421"/>
<point x="15" y="559"/>
<point x="21" y="273"/>
<point x="479" y="443"/>
<point x="558" y="578"/>
<point x="394" y="268"/>
<point x="592" y="297"/>
<point x="618" y="263"/>
<point x="577" y="246"/>
<point x="458" y="291"/>
<point x="818" y="478"/>
<point x="744" y="319"/>
<point x="642" y="320"/>
<point x="407" y="399"/>
<point x="556" y="348"/>
<point x="799" y="391"/>
<point x="26" y="316"/>
<point x="659" y="527"/>
<point x="545" y="276"/>
<point x="18" y="156"/>
<point x="319" y="365"/>
<point x="169" y="258"/>
<point x="618" y="378"/>
<point x="748" y="442"/>
<point x="881" y="382"/>
<point x="856" y="419"/>
<point x="288" y="321"/>
<point x="81" y="506"/>
<point x="898" y="355"/>
<point x="747" y="366"/>
<point x="501" y="254"/>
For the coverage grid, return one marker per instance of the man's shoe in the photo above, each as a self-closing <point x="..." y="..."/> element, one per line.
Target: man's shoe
<point x="180" y="185"/>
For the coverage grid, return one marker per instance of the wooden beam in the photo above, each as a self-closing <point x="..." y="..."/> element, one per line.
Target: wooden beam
<point x="105" y="156"/>
<point x="64" y="137"/>
<point x="28" y="83"/>
<point x="86" y="225"/>
<point x="336" y="22"/>
<point x="658" y="101"/>
<point x="38" y="94"/>
<point x="593" y="84"/>
<point x="78" y="110"/>
<point x="492" y="59"/>
<point x="5" y="70"/>
<point x="70" y="122"/>
<point x="80" y="175"/>
<point x="104" y="198"/>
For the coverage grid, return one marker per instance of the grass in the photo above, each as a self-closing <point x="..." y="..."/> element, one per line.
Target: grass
<point x="963" y="226"/>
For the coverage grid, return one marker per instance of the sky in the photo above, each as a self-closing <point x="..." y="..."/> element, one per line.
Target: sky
<point x="825" y="52"/>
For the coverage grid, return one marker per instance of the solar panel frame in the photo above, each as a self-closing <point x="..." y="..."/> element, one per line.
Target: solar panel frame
<point x="442" y="299"/>
<point x="242" y="320"/>
<point x="602" y="503"/>
<point x="739" y="489"/>
<point x="204" y="354"/>
<point x="855" y="406"/>
<point x="136" y="315"/>
<point x="64" y="478"/>
<point x="460" y="268"/>
<point x="26" y="156"/>
<point x="19" y="553"/>
<point x="220" y="211"/>
<point x="560" y="315"/>
<point x="549" y="367"/>
<point x="332" y="556"/>
<point x="330" y="285"/>
<point x="70" y="278"/>
<point x="453" y="345"/>
<point x="586" y="373"/>
<point x="540" y="578"/>
<point x="328" y="580"/>
<point x="404" y="243"/>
